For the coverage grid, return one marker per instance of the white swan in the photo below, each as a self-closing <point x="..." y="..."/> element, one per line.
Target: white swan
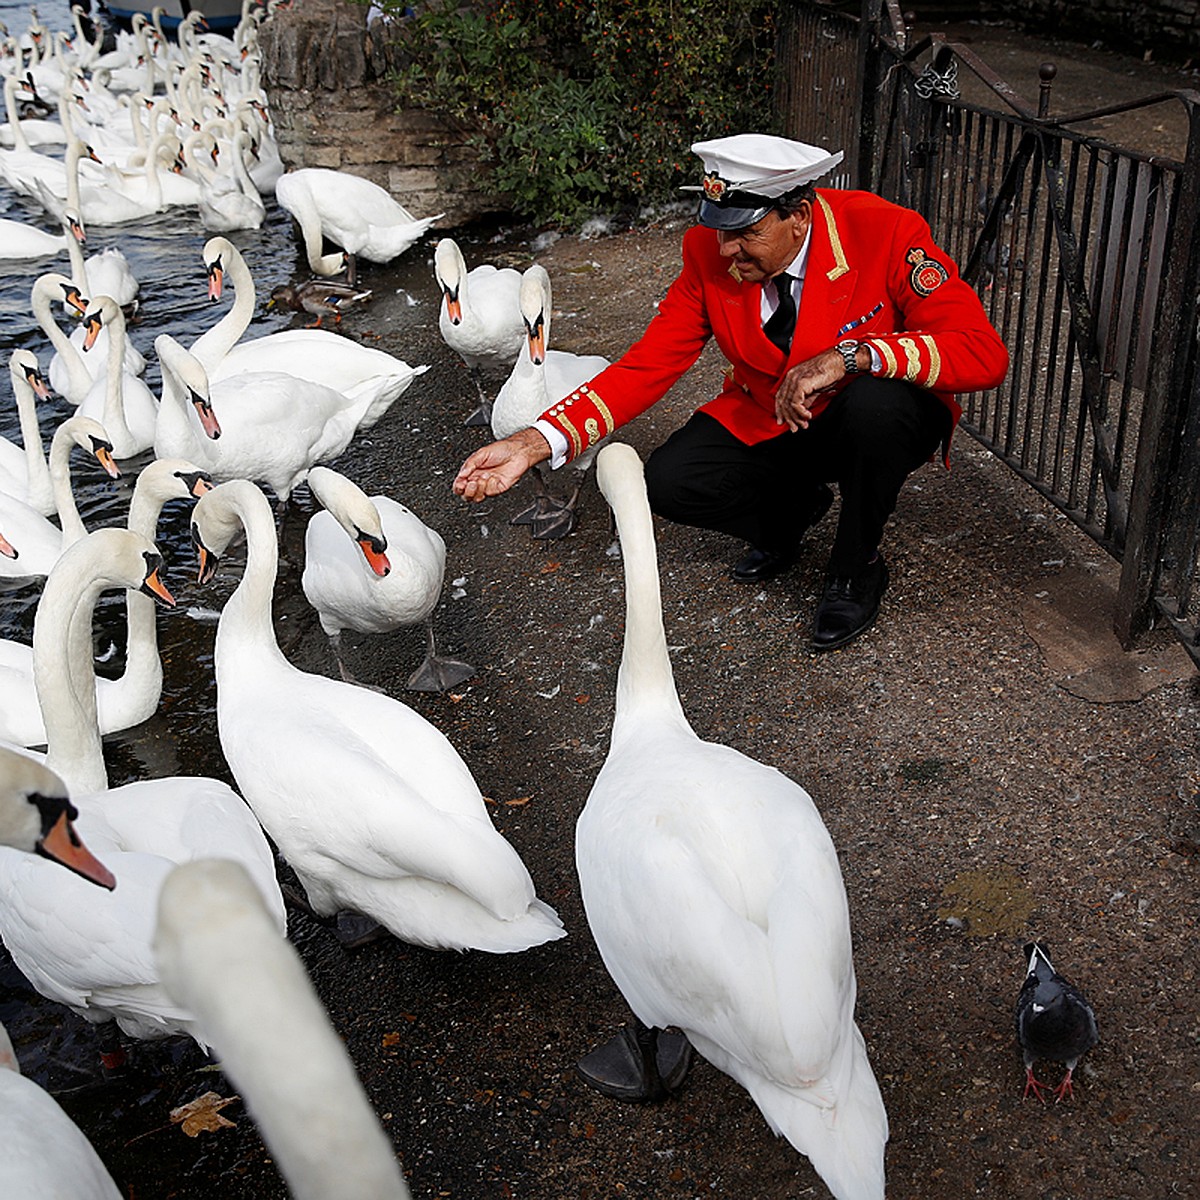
<point x="229" y="199"/>
<point x="106" y="273"/>
<point x="370" y="378"/>
<point x="264" y="426"/>
<point x="24" y="472"/>
<point x="133" y="696"/>
<point x="480" y="317"/>
<point x="36" y="817"/>
<point x="220" y="957"/>
<point x="38" y="542"/>
<point x="353" y="213"/>
<point x="76" y="945"/>
<point x="20" y="241"/>
<point x="67" y="371"/>
<point x="372" y="565"/>
<point x="539" y="378"/>
<point x="121" y="401"/>
<point x="714" y="894"/>
<point x="20" y="134"/>
<point x="370" y="804"/>
<point x="45" y="1152"/>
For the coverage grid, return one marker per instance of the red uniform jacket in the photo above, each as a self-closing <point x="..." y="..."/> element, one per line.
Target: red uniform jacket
<point x="874" y="274"/>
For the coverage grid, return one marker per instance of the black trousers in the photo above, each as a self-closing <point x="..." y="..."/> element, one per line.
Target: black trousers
<point x="872" y="436"/>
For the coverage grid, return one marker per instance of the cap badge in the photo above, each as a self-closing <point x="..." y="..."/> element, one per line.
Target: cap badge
<point x="714" y="187"/>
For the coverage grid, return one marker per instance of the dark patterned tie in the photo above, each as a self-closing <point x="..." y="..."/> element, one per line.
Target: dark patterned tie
<point x="782" y="322"/>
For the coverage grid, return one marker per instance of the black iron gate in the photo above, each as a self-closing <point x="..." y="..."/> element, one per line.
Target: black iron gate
<point x="1086" y="256"/>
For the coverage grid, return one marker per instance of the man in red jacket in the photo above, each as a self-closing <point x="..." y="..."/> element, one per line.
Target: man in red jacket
<point x="848" y="333"/>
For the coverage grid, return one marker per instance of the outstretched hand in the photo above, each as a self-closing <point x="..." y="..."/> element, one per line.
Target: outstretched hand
<point x="804" y="381"/>
<point x="494" y="468"/>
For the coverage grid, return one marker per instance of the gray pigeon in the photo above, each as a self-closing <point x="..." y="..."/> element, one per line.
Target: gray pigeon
<point x="1054" y="1020"/>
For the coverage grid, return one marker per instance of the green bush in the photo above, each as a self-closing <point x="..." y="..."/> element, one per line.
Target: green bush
<point x="581" y="108"/>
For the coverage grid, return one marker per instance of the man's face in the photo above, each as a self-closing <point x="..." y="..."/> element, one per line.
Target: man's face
<point x="763" y="249"/>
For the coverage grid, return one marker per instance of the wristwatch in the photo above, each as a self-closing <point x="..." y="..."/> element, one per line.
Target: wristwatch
<point x="849" y="352"/>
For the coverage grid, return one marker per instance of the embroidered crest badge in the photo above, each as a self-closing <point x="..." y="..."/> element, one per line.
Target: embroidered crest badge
<point x="927" y="275"/>
<point x="714" y="187"/>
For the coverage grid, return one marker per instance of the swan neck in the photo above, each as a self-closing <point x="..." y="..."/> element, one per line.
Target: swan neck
<point x="645" y="682"/>
<point x="64" y="676"/>
<point x="37" y="469"/>
<point x="248" y="610"/>
<point x="69" y="519"/>
<point x="212" y="345"/>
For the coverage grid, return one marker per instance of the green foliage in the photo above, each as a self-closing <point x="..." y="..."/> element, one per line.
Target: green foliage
<point x="581" y="107"/>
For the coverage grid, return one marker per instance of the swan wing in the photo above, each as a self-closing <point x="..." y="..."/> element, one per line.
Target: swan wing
<point x="751" y="871"/>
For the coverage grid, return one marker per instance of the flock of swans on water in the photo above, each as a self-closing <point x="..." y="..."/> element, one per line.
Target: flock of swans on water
<point x="710" y="883"/>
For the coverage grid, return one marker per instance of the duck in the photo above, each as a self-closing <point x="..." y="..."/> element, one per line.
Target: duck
<point x="319" y="297"/>
<point x="372" y="565"/>
<point x="220" y="956"/>
<point x="121" y="400"/>
<point x="133" y="696"/>
<point x="353" y="213"/>
<point x="539" y="378"/>
<point x="260" y="425"/>
<point x="24" y="472"/>
<point x="36" y="816"/>
<point x="370" y="805"/>
<point x="78" y="945"/>
<point x="372" y="379"/>
<point x="37" y="541"/>
<point x="713" y="891"/>
<point x="480" y="316"/>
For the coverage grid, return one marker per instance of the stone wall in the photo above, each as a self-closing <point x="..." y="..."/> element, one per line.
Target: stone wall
<point x="325" y="75"/>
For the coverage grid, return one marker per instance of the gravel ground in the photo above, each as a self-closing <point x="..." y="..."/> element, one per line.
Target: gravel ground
<point x="990" y="763"/>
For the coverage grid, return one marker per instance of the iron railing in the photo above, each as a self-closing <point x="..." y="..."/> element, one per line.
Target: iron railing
<point x="1086" y="255"/>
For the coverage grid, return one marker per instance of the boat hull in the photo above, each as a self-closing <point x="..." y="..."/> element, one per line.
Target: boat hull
<point x="218" y="14"/>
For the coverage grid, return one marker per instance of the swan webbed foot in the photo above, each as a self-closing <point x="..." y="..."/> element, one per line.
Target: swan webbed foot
<point x="639" y="1064"/>
<point x="482" y="415"/>
<point x="353" y="930"/>
<point x="437" y="674"/>
<point x="554" y="524"/>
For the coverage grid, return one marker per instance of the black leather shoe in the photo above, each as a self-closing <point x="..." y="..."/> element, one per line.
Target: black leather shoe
<point x="758" y="565"/>
<point x="849" y="606"/>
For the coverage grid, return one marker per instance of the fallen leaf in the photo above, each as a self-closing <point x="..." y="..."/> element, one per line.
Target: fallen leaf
<point x="203" y="1115"/>
<point x="582" y="699"/>
<point x="550" y="565"/>
<point x="390" y="1039"/>
<point x="519" y="800"/>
